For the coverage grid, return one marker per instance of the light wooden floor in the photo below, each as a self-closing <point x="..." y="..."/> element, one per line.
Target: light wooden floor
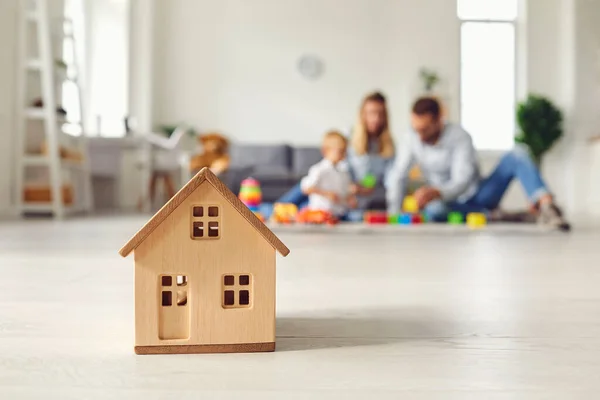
<point x="498" y="314"/>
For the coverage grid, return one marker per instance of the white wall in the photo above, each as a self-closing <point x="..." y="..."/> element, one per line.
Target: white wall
<point x="584" y="186"/>
<point x="8" y="27"/>
<point x="231" y="65"/>
<point x="564" y="63"/>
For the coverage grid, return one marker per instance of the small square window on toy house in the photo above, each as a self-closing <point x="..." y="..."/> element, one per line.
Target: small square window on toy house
<point x="181" y="280"/>
<point x="198" y="211"/>
<point x="244" y="297"/>
<point x="213" y="229"/>
<point x="198" y="229"/>
<point x="182" y="298"/>
<point x="167" y="299"/>
<point x="229" y="280"/>
<point x="213" y="211"/>
<point x="229" y="298"/>
<point x="244" y="280"/>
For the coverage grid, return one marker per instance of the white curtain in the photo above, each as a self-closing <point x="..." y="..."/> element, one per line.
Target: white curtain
<point x="102" y="38"/>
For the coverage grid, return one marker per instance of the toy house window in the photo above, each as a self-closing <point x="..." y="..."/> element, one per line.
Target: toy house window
<point x="237" y="290"/>
<point x="205" y="222"/>
<point x="173" y="286"/>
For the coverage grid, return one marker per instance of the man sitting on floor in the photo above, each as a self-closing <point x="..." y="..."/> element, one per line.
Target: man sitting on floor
<point x="449" y="165"/>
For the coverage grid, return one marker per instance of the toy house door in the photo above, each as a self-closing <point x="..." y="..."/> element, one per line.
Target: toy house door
<point x="174" y="307"/>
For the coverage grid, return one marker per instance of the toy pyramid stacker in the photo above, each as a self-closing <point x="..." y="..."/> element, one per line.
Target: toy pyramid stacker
<point x="204" y="274"/>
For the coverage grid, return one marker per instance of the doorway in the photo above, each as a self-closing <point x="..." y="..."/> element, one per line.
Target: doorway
<point x="174" y="307"/>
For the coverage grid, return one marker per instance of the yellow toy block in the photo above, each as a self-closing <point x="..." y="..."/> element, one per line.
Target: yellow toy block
<point x="409" y="205"/>
<point x="284" y="212"/>
<point x="476" y="220"/>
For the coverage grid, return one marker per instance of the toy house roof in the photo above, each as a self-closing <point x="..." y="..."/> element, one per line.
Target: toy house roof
<point x="204" y="175"/>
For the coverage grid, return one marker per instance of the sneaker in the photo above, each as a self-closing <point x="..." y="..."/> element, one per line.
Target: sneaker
<point x="550" y="216"/>
<point x="499" y="215"/>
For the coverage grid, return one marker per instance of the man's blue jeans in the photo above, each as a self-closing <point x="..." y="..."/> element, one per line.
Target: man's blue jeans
<point x="515" y="164"/>
<point x="294" y="196"/>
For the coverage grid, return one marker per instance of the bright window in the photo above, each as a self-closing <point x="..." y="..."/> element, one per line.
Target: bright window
<point x="101" y="36"/>
<point x="488" y="78"/>
<point x="495" y="10"/>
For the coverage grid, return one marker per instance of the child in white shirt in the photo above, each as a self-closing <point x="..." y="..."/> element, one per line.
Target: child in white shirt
<point x="328" y="183"/>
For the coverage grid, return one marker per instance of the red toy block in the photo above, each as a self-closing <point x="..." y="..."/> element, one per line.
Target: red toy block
<point x="416" y="219"/>
<point x="375" y="218"/>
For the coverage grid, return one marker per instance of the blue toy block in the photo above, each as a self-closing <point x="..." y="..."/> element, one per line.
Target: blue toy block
<point x="405" y="219"/>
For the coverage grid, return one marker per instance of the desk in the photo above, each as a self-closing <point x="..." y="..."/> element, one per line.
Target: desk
<point x="122" y="170"/>
<point x="117" y="168"/>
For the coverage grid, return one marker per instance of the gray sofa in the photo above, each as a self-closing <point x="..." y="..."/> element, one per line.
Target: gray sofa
<point x="278" y="168"/>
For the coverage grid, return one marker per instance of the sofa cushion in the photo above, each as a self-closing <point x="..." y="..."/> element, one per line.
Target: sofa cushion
<point x="274" y="176"/>
<point x="303" y="158"/>
<point x="271" y="193"/>
<point x="273" y="156"/>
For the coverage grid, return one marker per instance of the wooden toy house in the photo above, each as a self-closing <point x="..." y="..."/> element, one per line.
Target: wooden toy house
<point x="204" y="274"/>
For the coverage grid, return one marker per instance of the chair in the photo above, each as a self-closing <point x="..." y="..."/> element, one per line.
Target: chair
<point x="163" y="157"/>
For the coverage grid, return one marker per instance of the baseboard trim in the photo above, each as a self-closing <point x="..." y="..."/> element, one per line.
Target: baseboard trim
<point x="206" y="348"/>
<point x="9" y="213"/>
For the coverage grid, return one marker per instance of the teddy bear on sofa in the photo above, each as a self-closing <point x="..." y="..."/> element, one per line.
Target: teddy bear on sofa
<point x="214" y="153"/>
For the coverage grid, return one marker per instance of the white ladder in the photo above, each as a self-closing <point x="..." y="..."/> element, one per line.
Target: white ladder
<point x="34" y="14"/>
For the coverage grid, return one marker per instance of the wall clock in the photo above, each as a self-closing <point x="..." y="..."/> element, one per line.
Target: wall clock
<point x="311" y="67"/>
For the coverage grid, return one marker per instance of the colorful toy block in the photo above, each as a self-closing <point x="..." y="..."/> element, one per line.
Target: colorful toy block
<point x="405" y="219"/>
<point x="455" y="218"/>
<point x="393" y="219"/>
<point x="375" y="217"/>
<point x="476" y="220"/>
<point x="416" y="219"/>
<point x="250" y="189"/>
<point x="251" y="198"/>
<point x="284" y="213"/>
<point x="409" y="205"/>
<point x="309" y="216"/>
<point x="250" y="194"/>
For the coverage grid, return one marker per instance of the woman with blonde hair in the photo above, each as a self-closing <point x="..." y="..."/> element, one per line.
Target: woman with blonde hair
<point x="370" y="152"/>
<point x="371" y="147"/>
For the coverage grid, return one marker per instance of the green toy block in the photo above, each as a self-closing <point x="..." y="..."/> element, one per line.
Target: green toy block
<point x="455" y="218"/>
<point x="393" y="219"/>
<point x="369" y="181"/>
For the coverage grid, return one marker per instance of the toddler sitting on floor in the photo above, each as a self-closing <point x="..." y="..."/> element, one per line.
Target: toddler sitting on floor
<point x="328" y="184"/>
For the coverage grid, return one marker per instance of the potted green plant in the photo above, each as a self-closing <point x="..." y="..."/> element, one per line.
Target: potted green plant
<point x="168" y="130"/>
<point x="540" y="125"/>
<point x="429" y="79"/>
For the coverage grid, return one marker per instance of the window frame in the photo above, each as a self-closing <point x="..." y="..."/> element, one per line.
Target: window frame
<point x="237" y="288"/>
<point x="173" y="287"/>
<point x="206" y="221"/>
<point x="515" y="25"/>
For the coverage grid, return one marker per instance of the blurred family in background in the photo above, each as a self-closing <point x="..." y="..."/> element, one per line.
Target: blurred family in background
<point x="441" y="153"/>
